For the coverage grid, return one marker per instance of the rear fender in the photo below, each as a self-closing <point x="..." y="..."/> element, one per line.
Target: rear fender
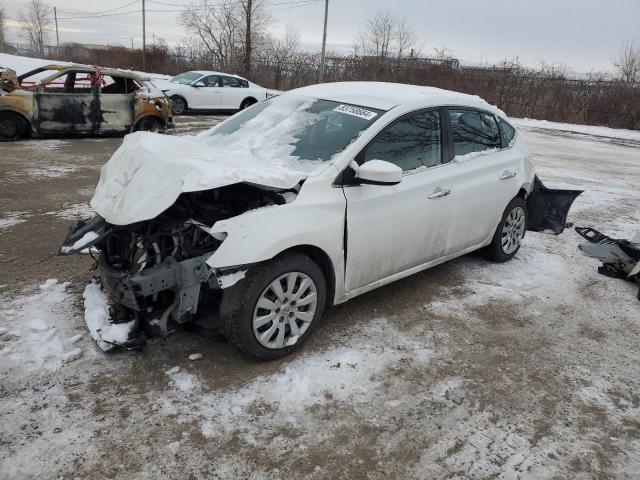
<point x="548" y="208"/>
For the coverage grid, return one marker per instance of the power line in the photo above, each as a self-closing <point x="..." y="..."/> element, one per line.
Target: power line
<point x="99" y="15"/>
<point x="68" y="12"/>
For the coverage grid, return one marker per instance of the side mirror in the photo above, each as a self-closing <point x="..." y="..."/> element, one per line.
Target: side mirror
<point x="379" y="172"/>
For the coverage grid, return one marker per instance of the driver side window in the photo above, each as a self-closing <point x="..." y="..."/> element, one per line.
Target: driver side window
<point x="209" y="81"/>
<point x="411" y="142"/>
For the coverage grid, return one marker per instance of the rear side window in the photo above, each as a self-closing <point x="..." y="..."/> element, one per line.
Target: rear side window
<point x="231" y="82"/>
<point x="507" y="131"/>
<point x="473" y="131"/>
<point x="412" y="142"/>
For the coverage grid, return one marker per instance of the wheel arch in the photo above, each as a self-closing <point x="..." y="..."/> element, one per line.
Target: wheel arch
<point x="181" y="97"/>
<point x="136" y="125"/>
<point x="251" y="98"/>
<point x="322" y="259"/>
<point x="29" y="124"/>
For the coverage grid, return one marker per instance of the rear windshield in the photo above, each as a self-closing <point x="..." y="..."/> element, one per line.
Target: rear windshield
<point x="186" y="78"/>
<point x="304" y="128"/>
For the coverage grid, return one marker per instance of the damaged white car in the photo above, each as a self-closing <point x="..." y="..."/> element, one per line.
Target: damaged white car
<point x="303" y="201"/>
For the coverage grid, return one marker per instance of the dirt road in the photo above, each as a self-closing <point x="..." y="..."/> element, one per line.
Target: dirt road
<point x="529" y="369"/>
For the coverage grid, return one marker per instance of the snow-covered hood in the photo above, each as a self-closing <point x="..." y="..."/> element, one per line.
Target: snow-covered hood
<point x="149" y="171"/>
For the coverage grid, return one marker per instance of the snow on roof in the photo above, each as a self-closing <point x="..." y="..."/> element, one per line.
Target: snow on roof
<point x="209" y="72"/>
<point x="384" y="96"/>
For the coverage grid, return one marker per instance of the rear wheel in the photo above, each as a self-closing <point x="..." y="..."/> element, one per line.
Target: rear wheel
<point x="276" y="307"/>
<point x="247" y="102"/>
<point x="510" y="232"/>
<point x="178" y="105"/>
<point x="149" y="124"/>
<point x="11" y="126"/>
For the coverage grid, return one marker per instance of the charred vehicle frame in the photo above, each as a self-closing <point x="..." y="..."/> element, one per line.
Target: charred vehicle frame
<point x="78" y="100"/>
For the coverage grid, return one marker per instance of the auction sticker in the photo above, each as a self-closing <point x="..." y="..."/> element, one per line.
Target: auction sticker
<point x="356" y="111"/>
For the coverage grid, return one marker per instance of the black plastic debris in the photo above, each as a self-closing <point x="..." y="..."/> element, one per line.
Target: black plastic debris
<point x="620" y="258"/>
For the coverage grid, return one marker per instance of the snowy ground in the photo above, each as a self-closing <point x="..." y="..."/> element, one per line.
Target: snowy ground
<point x="470" y="370"/>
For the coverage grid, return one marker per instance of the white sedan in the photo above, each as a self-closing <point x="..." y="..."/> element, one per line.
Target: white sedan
<point x="307" y="200"/>
<point x="207" y="91"/>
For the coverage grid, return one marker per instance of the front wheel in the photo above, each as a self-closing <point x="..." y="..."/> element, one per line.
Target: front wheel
<point x="276" y="307"/>
<point x="247" y="102"/>
<point x="149" y="124"/>
<point x="11" y="127"/>
<point x="510" y="232"/>
<point x="178" y="105"/>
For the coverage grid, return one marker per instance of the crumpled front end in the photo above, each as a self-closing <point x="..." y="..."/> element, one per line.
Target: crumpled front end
<point x="154" y="273"/>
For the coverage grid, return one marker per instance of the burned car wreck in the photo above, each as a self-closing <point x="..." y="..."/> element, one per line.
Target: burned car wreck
<point x="62" y="100"/>
<point x="305" y="200"/>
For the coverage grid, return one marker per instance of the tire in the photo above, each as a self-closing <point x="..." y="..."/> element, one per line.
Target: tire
<point x="247" y="102"/>
<point x="256" y="330"/>
<point x="12" y="127"/>
<point x="510" y="232"/>
<point x="149" y="124"/>
<point x="178" y="105"/>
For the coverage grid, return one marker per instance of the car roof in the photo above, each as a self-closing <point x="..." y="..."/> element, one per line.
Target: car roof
<point x="86" y="68"/>
<point x="207" y="72"/>
<point x="386" y="95"/>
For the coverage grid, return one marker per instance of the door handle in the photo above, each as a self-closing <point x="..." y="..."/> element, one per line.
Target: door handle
<point x="439" y="193"/>
<point x="507" y="174"/>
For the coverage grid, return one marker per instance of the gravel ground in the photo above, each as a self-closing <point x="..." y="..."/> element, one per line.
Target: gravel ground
<point x="528" y="369"/>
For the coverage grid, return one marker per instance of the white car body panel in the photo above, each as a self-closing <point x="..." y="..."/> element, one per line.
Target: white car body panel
<point x="215" y="97"/>
<point x="392" y="231"/>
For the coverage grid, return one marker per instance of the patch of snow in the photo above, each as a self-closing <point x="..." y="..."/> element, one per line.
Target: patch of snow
<point x="34" y="329"/>
<point x="77" y="246"/>
<point x="96" y="316"/>
<point x="226" y="281"/>
<point x="51" y="171"/>
<point x="195" y="356"/>
<point x="183" y="381"/>
<point x="12" y="219"/>
<point x="575" y="128"/>
<point x="348" y="373"/>
<point x="77" y="211"/>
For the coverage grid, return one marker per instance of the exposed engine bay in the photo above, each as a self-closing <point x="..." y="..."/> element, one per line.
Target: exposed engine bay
<point x="155" y="272"/>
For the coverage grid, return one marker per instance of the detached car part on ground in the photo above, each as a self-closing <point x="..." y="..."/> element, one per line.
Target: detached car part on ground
<point x="63" y="100"/>
<point x="306" y="200"/>
<point x="620" y="258"/>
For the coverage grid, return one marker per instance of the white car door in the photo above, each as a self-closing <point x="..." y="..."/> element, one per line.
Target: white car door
<point x="206" y="93"/>
<point x="391" y="229"/>
<point x="485" y="177"/>
<point x="232" y="92"/>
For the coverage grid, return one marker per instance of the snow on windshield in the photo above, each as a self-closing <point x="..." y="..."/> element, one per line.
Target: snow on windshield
<point x="290" y="131"/>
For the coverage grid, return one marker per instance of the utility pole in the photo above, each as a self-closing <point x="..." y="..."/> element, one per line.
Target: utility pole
<point x="144" y="38"/>
<point x="55" y="15"/>
<point x="324" y="41"/>
<point x="247" y="36"/>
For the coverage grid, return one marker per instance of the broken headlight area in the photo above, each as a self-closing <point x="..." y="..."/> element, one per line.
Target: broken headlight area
<point x="154" y="273"/>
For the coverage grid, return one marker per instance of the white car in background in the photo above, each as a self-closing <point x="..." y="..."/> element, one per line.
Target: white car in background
<point x="205" y="91"/>
<point x="306" y="200"/>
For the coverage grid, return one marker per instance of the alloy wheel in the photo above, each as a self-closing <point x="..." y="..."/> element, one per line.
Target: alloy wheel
<point x="285" y="309"/>
<point x="513" y="230"/>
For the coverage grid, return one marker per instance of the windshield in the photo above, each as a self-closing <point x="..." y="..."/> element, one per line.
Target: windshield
<point x="186" y="78"/>
<point x="293" y="127"/>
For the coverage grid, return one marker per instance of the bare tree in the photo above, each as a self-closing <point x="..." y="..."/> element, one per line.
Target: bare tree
<point x="35" y="22"/>
<point x="229" y="32"/>
<point x="384" y="36"/>
<point x="627" y="61"/>
<point x="282" y="50"/>
<point x="255" y="20"/>
<point x="217" y="29"/>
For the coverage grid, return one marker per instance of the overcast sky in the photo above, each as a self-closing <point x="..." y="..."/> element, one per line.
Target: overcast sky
<point x="582" y="34"/>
